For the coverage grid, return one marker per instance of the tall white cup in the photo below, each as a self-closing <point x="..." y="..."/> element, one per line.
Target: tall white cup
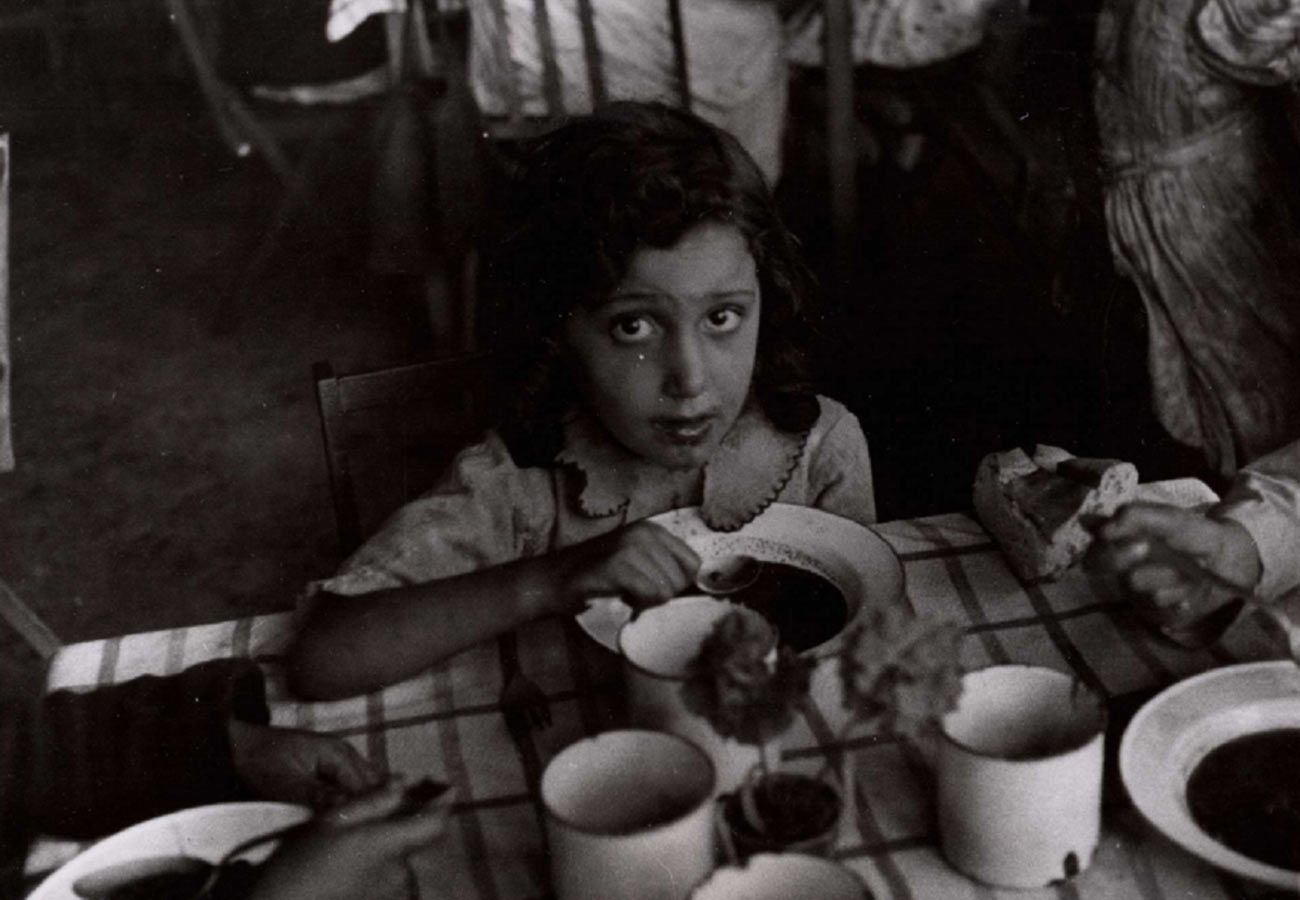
<point x="629" y="816"/>
<point x="1019" y="775"/>
<point x="658" y="647"/>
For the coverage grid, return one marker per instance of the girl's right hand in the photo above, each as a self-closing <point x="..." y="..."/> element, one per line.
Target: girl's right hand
<point x="642" y="563"/>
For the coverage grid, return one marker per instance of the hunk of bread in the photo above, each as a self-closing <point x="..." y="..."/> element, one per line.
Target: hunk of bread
<point x="1032" y="505"/>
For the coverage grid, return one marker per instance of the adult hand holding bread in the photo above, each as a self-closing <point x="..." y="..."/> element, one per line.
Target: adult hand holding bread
<point x="1178" y="566"/>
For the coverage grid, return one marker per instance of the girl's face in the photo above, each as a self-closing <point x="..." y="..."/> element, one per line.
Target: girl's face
<point x="665" y="361"/>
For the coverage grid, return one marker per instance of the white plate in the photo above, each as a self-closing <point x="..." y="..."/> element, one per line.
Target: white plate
<point x="1174" y="731"/>
<point x="206" y="832"/>
<point x="851" y="556"/>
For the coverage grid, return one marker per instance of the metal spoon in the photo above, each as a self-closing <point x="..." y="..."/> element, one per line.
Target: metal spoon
<point x="728" y="574"/>
<point x="196" y="876"/>
<point x="1198" y="634"/>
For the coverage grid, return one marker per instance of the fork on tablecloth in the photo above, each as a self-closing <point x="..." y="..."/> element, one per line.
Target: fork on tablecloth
<point x="523" y="703"/>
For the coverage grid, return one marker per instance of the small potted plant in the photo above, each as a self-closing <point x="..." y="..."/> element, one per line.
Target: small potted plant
<point x="749" y="688"/>
<point x="899" y="672"/>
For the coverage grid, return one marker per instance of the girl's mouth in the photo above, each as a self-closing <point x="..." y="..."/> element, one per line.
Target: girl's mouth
<point x="684" y="431"/>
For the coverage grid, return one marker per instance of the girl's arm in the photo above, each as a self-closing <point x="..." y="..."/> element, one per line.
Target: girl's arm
<point x="350" y="645"/>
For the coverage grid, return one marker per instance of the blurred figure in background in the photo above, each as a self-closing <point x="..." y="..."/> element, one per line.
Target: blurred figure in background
<point x="1200" y="206"/>
<point x="733" y="48"/>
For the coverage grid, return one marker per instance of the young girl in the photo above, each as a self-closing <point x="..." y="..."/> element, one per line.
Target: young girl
<point x="657" y="313"/>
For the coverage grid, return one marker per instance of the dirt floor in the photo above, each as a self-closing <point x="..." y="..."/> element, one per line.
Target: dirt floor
<point x="169" y="467"/>
<point x="169" y="460"/>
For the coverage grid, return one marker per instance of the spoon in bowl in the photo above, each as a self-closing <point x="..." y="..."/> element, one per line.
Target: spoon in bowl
<point x="728" y="574"/>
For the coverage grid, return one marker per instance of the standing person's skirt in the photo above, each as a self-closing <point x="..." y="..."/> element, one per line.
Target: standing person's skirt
<point x="1206" y="229"/>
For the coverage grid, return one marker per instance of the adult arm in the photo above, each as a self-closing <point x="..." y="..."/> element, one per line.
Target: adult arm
<point x="1265" y="501"/>
<point x="101" y="760"/>
<point x="1250" y="539"/>
<point x="1250" y="40"/>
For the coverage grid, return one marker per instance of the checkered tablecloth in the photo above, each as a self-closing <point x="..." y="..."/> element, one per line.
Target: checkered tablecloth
<point x="447" y="723"/>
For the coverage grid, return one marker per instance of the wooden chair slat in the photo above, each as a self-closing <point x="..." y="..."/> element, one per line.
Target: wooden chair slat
<point x="389" y="433"/>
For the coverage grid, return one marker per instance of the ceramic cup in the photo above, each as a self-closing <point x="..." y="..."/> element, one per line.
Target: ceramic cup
<point x="657" y="649"/>
<point x="1019" y="775"/>
<point x="629" y="816"/>
<point x="780" y="876"/>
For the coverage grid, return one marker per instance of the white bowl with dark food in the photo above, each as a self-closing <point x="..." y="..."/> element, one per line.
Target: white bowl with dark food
<point x="136" y="856"/>
<point x="817" y="575"/>
<point x="1211" y="762"/>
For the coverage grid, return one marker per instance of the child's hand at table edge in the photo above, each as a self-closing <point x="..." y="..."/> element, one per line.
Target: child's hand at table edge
<point x="1147" y="547"/>
<point x="295" y="766"/>
<point x="357" y="851"/>
<point x="643" y="563"/>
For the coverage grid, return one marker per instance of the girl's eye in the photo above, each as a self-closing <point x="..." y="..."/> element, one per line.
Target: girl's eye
<point x="724" y="319"/>
<point x="631" y="329"/>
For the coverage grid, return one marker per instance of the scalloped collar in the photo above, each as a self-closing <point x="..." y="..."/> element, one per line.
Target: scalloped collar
<point x="746" y="474"/>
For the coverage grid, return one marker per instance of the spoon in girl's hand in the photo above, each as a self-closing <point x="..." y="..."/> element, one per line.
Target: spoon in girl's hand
<point x="728" y="574"/>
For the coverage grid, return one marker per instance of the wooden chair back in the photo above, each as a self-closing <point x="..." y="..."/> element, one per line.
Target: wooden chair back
<point x="22" y="632"/>
<point x="6" y="439"/>
<point x="389" y="433"/>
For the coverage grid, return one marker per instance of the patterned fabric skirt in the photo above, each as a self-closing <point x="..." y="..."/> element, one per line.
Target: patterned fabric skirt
<point x="1206" y="230"/>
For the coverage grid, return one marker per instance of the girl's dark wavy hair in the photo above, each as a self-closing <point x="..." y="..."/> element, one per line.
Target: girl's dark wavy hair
<point x="585" y="197"/>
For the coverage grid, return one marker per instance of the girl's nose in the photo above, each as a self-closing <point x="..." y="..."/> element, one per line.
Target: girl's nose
<point x="684" y="367"/>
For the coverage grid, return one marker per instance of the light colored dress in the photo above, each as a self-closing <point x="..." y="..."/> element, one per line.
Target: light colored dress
<point x="486" y="510"/>
<point x="1265" y="499"/>
<point x="1199" y="218"/>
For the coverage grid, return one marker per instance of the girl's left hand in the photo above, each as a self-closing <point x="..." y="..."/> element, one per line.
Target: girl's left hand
<point x="295" y="766"/>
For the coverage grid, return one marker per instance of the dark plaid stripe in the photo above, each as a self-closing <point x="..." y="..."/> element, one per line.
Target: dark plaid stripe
<point x="175" y="661"/>
<point x="583" y="682"/>
<point x="897" y="845"/>
<point x="501" y="59"/>
<point x="453" y="759"/>
<point x="480" y="709"/>
<point x="108" y="661"/>
<point x="872" y="837"/>
<point x="852" y="745"/>
<point x="505" y="801"/>
<point x="867" y="825"/>
<point x="520" y="731"/>
<point x="241" y="641"/>
<point x="947" y="550"/>
<point x="1139" y="640"/>
<point x="1027" y="621"/>
<point x="591" y="53"/>
<point x="550" y="68"/>
<point x="1072" y="655"/>
<point x="965" y="593"/>
<point x="376" y="731"/>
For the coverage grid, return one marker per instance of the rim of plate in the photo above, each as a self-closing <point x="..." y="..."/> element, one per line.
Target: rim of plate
<point x="1167" y="812"/>
<point x="604" y="616"/>
<point x="261" y="816"/>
